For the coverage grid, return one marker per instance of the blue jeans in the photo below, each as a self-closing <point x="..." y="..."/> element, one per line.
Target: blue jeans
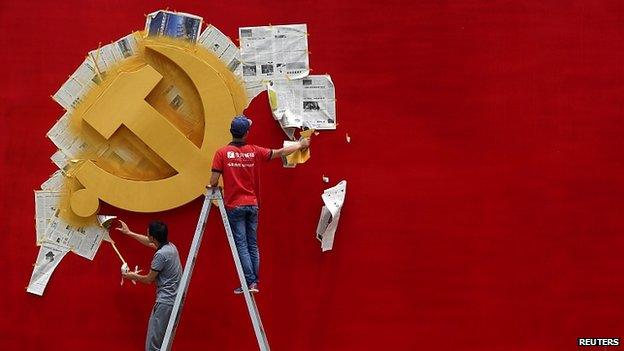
<point x="244" y="223"/>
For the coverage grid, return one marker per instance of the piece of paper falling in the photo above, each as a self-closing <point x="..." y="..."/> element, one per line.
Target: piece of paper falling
<point x="330" y="214"/>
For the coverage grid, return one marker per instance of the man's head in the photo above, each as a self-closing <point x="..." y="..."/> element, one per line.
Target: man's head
<point x="240" y="127"/>
<point x="157" y="231"/>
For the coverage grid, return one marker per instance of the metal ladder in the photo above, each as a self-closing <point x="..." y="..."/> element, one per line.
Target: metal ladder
<point x="212" y="194"/>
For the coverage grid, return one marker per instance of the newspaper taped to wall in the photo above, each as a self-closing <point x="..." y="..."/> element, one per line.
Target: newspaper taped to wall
<point x="330" y="214"/>
<point x="307" y="102"/>
<point x="83" y="241"/>
<point x="93" y="69"/>
<point x="268" y="52"/>
<point x="107" y="56"/>
<point x="56" y="237"/>
<point x="55" y="182"/>
<point x="50" y="255"/>
<point x="176" y="25"/>
<point x="127" y="46"/>
<point x="69" y="143"/>
<point x="173" y="96"/>
<point x="60" y="135"/>
<point x="46" y="205"/>
<point x="217" y="42"/>
<point x="70" y="94"/>
<point x="254" y="88"/>
<point x="87" y="74"/>
<point x="81" y="149"/>
<point x="78" y="150"/>
<point x="60" y="160"/>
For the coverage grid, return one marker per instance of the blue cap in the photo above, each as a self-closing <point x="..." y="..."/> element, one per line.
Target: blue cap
<point x="240" y="125"/>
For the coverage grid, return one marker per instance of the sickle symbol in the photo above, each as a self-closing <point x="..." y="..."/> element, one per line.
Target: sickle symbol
<point x="123" y="103"/>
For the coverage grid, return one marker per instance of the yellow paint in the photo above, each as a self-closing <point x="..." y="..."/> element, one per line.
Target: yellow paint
<point x="84" y="203"/>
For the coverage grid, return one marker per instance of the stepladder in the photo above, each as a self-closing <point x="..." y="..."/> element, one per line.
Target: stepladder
<point x="212" y="195"/>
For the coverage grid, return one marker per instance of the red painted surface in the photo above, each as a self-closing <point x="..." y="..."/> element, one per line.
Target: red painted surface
<point x="484" y="206"/>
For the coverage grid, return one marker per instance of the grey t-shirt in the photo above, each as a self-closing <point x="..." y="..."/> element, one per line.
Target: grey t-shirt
<point x="166" y="262"/>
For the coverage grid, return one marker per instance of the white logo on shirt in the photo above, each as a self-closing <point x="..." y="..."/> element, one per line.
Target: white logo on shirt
<point x="232" y="154"/>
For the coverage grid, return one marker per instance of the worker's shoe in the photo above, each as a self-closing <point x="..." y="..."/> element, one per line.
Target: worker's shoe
<point x="253" y="288"/>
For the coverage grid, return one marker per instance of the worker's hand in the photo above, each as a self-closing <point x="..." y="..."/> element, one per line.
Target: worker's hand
<point x="123" y="227"/>
<point x="131" y="275"/>
<point x="305" y="143"/>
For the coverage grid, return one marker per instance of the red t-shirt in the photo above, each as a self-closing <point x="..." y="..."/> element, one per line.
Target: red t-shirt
<point x="238" y="164"/>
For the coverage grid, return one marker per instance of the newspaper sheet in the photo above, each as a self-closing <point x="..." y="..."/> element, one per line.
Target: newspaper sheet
<point x="105" y="57"/>
<point x="330" y="214"/>
<point x="274" y="51"/>
<point x="253" y="89"/>
<point x="60" y="160"/>
<point x="93" y="236"/>
<point x="99" y="61"/>
<point x="93" y="69"/>
<point x="55" y="182"/>
<point x="212" y="39"/>
<point x="109" y="55"/>
<point x="173" y="96"/>
<point x="71" y="146"/>
<point x="308" y="102"/>
<point x="86" y="74"/>
<point x="50" y="255"/>
<point x="75" y="88"/>
<point x="46" y="206"/>
<point x="81" y="147"/>
<point x="69" y="94"/>
<point x="127" y="46"/>
<point x="177" y="25"/>
<point x="60" y="134"/>
<point x="84" y="241"/>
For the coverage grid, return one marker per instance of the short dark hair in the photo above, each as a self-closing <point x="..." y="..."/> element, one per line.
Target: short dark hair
<point x="235" y="135"/>
<point x="158" y="229"/>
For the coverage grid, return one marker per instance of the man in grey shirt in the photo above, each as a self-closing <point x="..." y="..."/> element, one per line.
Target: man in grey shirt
<point x="166" y="271"/>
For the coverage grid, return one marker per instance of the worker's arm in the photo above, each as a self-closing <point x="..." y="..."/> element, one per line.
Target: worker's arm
<point x="214" y="179"/>
<point x="141" y="278"/>
<point x="143" y="239"/>
<point x="285" y="151"/>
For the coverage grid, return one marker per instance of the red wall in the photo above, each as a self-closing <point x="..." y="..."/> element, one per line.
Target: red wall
<point x="484" y="205"/>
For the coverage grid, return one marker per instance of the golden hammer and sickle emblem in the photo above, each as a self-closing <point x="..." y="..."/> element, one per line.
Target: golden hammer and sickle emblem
<point x="122" y="103"/>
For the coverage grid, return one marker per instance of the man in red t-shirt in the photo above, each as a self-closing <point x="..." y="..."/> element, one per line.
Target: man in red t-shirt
<point x="238" y="162"/>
